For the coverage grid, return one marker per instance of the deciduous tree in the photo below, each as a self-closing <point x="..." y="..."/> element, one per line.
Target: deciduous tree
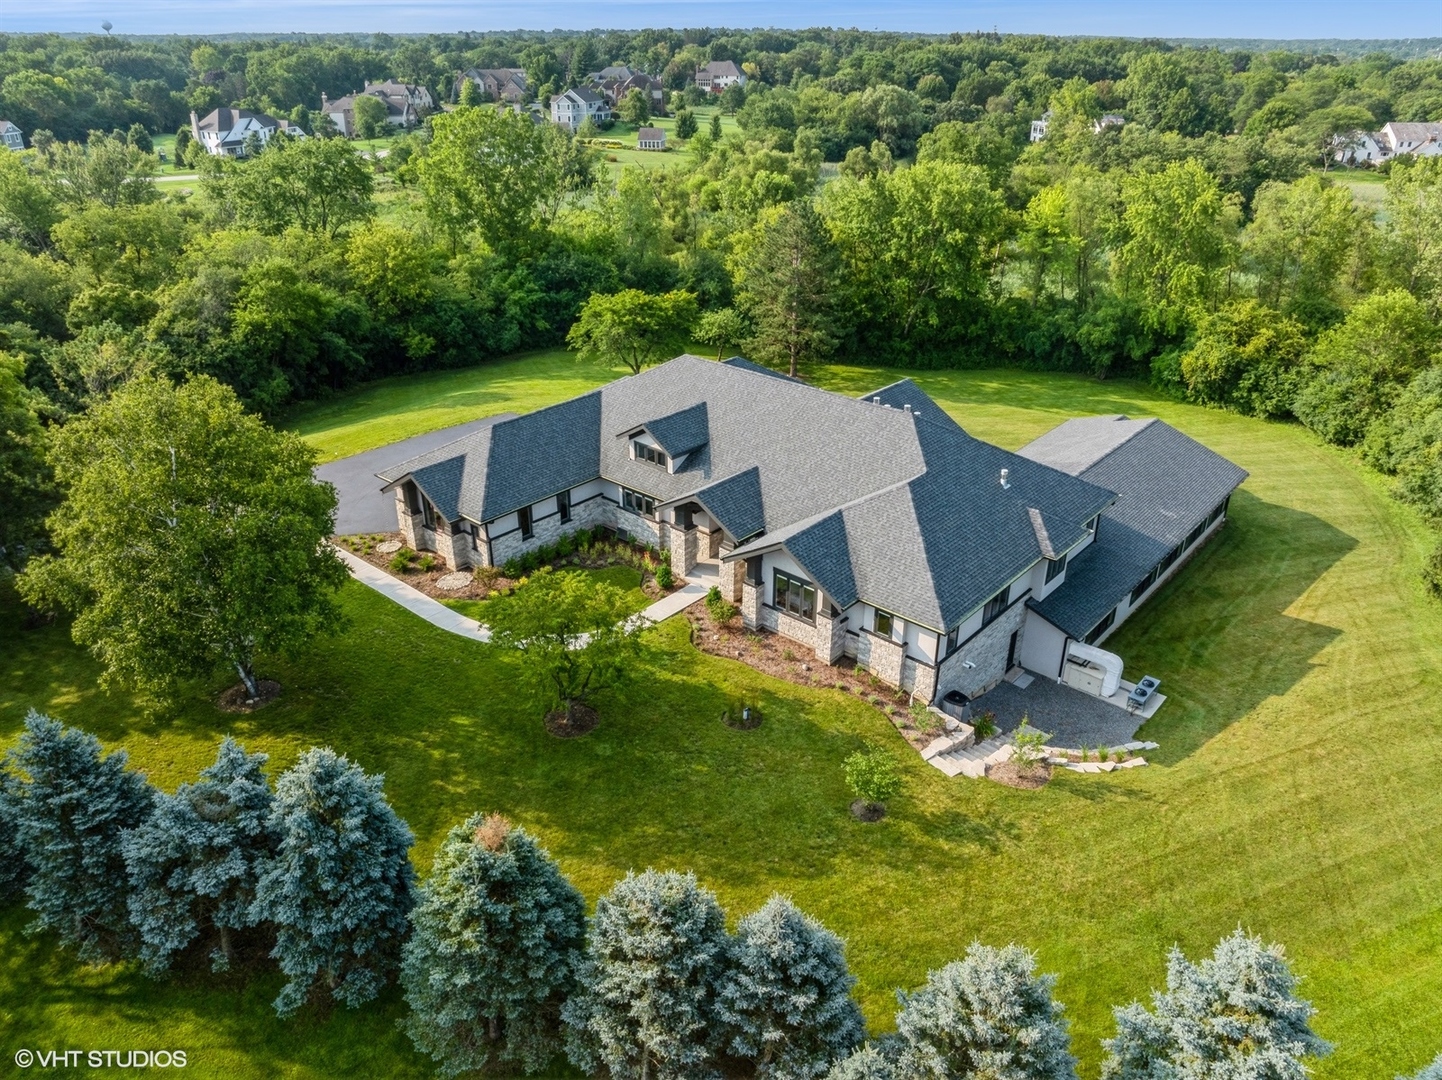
<point x="371" y="116"/>
<point x="632" y="328"/>
<point x="338" y="890"/>
<point x="1233" y="1016"/>
<point x="1246" y="357"/>
<point x="195" y="863"/>
<point x="1299" y="244"/>
<point x="27" y="484"/>
<point x="686" y="126"/>
<point x="321" y="185"/>
<point x="497" y="939"/>
<point x="192" y="535"/>
<point x="70" y="808"/>
<point x="723" y="328"/>
<point x="635" y="107"/>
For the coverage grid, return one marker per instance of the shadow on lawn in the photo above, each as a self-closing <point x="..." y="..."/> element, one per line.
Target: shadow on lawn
<point x="1219" y="636"/>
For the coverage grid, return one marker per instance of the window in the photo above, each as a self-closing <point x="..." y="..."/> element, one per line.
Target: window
<point x="1195" y="534"/>
<point x="413" y="497"/>
<point x="1143" y="585"/>
<point x="637" y="503"/>
<point x="794" y="595"/>
<point x="882" y="623"/>
<point x="1054" y="568"/>
<point x="563" y="506"/>
<point x="995" y="606"/>
<point x="1102" y="627"/>
<point x="523" y="515"/>
<point x="1169" y="558"/>
<point x="428" y="513"/>
<point x="475" y="531"/>
<point x="650" y="453"/>
<point x="953" y="639"/>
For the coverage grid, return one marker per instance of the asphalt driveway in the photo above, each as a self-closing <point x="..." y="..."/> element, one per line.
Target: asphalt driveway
<point x="363" y="509"/>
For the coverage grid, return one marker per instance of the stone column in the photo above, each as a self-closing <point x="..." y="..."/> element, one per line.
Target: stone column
<point x="683" y="550"/>
<point x="733" y="575"/>
<point x="750" y="605"/>
<point x="830" y="637"/>
<point x="406" y="521"/>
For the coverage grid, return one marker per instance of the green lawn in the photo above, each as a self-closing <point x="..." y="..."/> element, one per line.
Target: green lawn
<point x="622" y="577"/>
<point x="1296" y="792"/>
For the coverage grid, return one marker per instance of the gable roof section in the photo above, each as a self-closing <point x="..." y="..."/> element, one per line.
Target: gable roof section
<point x="736" y="503"/>
<point x="681" y="432"/>
<point x="759" y="369"/>
<point x="1076" y="445"/>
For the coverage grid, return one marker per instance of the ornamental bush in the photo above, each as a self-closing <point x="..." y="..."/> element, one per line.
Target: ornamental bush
<point x="986" y="1015"/>
<point x="647" y="1001"/>
<point x="498" y="934"/>
<point x="872" y="776"/>
<point x="14" y="868"/>
<point x="70" y="808"/>
<point x="1234" y="1016"/>
<point x="787" y="1000"/>
<point x="195" y="864"/>
<point x="338" y="889"/>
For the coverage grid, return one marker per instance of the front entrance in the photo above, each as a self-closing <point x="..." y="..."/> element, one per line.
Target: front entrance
<point x="1011" y="650"/>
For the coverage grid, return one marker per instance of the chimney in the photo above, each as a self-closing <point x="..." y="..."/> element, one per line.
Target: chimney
<point x="1004" y="474"/>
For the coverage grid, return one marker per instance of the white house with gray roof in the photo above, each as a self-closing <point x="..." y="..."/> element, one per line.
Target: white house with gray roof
<point x="874" y="528"/>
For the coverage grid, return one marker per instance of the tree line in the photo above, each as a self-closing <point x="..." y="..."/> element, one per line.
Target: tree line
<point x="501" y="966"/>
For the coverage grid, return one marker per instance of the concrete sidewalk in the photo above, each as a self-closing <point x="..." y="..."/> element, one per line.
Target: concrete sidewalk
<point x="413" y="600"/>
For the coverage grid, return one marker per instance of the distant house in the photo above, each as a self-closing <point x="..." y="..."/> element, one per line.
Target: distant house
<point x="14" y="139"/>
<point x="225" y="131"/>
<point x="612" y="73"/>
<point x="498" y="84"/>
<point x="649" y="138"/>
<point x="1424" y="140"/>
<point x="398" y="99"/>
<point x="575" y="107"/>
<point x="1038" y="127"/>
<point x="616" y="90"/>
<point x="1360" y="148"/>
<point x="718" y="75"/>
<point x="416" y="96"/>
<point x="1371" y="147"/>
<point x="1109" y="120"/>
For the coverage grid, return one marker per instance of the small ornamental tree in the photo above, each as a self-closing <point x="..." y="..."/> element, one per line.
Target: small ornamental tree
<point x="647" y="1003"/>
<point x="194" y="865"/>
<point x="70" y="808"/>
<point x="339" y="888"/>
<point x="497" y="938"/>
<point x="986" y="1015"/>
<point x="633" y="328"/>
<point x="573" y="634"/>
<point x="723" y="328"/>
<point x="1233" y="1016"/>
<point x="872" y="777"/>
<point x="787" y="1000"/>
<point x="686" y="126"/>
<point x="635" y="107"/>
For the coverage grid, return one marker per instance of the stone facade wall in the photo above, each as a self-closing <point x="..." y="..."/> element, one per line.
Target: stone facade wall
<point x="684" y="544"/>
<point x="750" y="601"/>
<point x="453" y="548"/>
<point x="733" y="577"/>
<point x="918" y="678"/>
<point x="986" y="650"/>
<point x="830" y="638"/>
<point x="798" y="630"/>
<point x="880" y="656"/>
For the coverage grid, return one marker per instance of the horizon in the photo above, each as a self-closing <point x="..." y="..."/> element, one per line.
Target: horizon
<point x="1241" y="20"/>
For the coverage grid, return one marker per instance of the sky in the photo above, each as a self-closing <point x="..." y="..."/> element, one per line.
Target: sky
<point x="1126" y="18"/>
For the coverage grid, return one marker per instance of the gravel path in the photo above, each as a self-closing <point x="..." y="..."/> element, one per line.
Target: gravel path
<point x="1071" y="718"/>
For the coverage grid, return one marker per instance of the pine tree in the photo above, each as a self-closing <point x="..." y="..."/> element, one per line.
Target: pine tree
<point x="339" y="888"/>
<point x="787" y="999"/>
<point x="194" y="865"/>
<point x="646" y="1006"/>
<point x="70" y="808"/>
<point x="1429" y="1072"/>
<point x="886" y="1060"/>
<point x="788" y="284"/>
<point x="1234" y="1016"/>
<point x="497" y="938"/>
<point x="14" y="867"/>
<point x="716" y="127"/>
<point x="985" y="1015"/>
<point x="686" y="125"/>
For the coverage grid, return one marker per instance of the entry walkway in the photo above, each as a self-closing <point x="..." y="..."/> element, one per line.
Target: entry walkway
<point x="698" y="583"/>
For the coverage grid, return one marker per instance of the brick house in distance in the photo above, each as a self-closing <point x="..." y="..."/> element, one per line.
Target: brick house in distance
<point x="874" y="528"/>
<point x="718" y="75"/>
<point x="510" y="85"/>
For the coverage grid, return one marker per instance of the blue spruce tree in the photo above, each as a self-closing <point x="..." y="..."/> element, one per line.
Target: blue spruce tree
<point x="70" y="808"/>
<point x="646" y="1008"/>
<point x="1430" y="1072"/>
<point x="14" y="868"/>
<point x="497" y="937"/>
<point x="886" y="1060"/>
<point x="194" y="865"/>
<point x="338" y="889"/>
<point x="1234" y="1016"/>
<point x="787" y="1000"/>
<point x="986" y="1015"/>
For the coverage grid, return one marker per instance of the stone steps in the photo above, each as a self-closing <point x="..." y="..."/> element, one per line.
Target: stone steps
<point x="972" y="761"/>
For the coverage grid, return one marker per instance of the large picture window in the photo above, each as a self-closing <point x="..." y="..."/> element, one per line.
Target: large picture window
<point x="1055" y="568"/>
<point x="638" y="503"/>
<point x="794" y="595"/>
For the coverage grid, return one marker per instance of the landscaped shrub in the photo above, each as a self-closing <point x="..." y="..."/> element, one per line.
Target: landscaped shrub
<point x="721" y="609"/>
<point x="872" y="776"/>
<point x="1027" y="742"/>
<point x="647" y="1004"/>
<point x="14" y="869"/>
<point x="498" y="936"/>
<point x="339" y="889"/>
<point x="1238" y="1006"/>
<point x="427" y="563"/>
<point x="194" y="865"/>
<point x="883" y="1061"/>
<point x="511" y="568"/>
<point x="70" y="808"/>
<point x="986" y="1015"/>
<point x="983" y="724"/>
<point x="401" y="560"/>
<point x="664" y="577"/>
<point x="787" y="999"/>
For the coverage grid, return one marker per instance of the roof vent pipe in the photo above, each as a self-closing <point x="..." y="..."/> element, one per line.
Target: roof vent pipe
<point x="876" y="401"/>
<point x="907" y="408"/>
<point x="1004" y="474"/>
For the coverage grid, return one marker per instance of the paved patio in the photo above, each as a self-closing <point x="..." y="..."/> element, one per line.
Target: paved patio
<point x="1072" y="719"/>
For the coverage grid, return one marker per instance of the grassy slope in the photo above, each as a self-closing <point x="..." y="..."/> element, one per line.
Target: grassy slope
<point x="1297" y="791"/>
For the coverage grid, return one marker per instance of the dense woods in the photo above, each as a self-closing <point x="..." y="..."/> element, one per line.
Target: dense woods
<point x="879" y="198"/>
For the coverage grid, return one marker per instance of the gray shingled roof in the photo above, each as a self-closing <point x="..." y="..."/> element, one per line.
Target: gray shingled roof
<point x="1076" y="445"/>
<point x="681" y="432"/>
<point x="1166" y="483"/>
<point x="736" y="503"/>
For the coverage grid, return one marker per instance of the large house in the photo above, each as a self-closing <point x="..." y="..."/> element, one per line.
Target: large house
<point x="405" y="105"/>
<point x="11" y="136"/>
<point x="1371" y="147"/>
<point x="874" y="528"/>
<point x="575" y="107"/>
<point x="496" y="84"/>
<point x="226" y="131"/>
<point x="718" y="75"/>
<point x="616" y="90"/>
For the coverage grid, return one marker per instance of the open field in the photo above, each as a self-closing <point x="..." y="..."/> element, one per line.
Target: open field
<point x="1297" y="790"/>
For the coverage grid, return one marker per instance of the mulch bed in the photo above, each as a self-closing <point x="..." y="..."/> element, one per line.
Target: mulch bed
<point x="582" y="720"/>
<point x="862" y="810"/>
<point x="1008" y="773"/>
<point x="484" y="580"/>
<point x="237" y="698"/>
<point x="785" y="659"/>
